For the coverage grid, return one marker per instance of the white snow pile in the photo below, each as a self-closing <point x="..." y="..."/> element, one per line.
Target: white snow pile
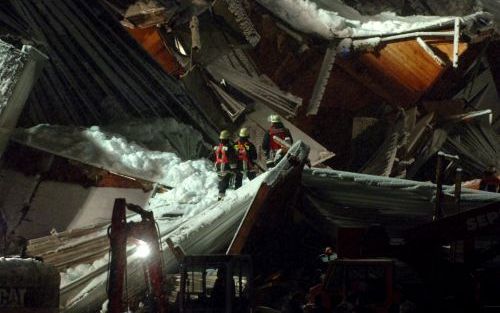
<point x="115" y="153"/>
<point x="162" y="134"/>
<point x="337" y="20"/>
<point x="80" y="270"/>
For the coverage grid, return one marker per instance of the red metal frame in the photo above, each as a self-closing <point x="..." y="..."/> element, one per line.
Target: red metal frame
<point x="146" y="231"/>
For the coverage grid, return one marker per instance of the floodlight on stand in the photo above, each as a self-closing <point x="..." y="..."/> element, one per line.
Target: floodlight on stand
<point x="142" y="249"/>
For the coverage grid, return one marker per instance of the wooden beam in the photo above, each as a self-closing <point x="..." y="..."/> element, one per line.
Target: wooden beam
<point x="249" y="220"/>
<point x="322" y="80"/>
<point x="429" y="51"/>
<point x="455" y="42"/>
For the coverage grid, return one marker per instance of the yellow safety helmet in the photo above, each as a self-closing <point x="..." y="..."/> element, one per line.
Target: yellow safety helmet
<point x="244" y="132"/>
<point x="225" y="134"/>
<point x="275" y="118"/>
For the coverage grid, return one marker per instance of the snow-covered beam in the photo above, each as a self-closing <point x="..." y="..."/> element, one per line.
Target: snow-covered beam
<point x="19" y="70"/>
<point x="322" y="80"/>
<point x="456" y="37"/>
<point x="429" y="51"/>
<point x="334" y="19"/>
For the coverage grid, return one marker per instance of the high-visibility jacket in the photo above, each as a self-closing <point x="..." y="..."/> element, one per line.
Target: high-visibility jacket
<point x="490" y="183"/>
<point x="224" y="157"/>
<point x="221" y="154"/>
<point x="278" y="132"/>
<point x="246" y="154"/>
<point x="269" y="145"/>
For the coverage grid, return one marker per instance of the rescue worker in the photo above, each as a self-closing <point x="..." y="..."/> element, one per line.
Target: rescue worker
<point x="225" y="162"/>
<point x="328" y="256"/>
<point x="270" y="146"/>
<point x="490" y="181"/>
<point x="246" y="155"/>
<point x="220" y="291"/>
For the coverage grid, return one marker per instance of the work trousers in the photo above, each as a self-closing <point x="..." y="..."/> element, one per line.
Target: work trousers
<point x="224" y="179"/>
<point x="239" y="177"/>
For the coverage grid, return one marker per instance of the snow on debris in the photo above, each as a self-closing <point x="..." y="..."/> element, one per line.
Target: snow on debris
<point x="11" y="65"/>
<point x="115" y="153"/>
<point x="339" y="20"/>
<point x="234" y="203"/>
<point x="195" y="183"/>
<point x="162" y="134"/>
<point x="80" y="270"/>
<point x="180" y="231"/>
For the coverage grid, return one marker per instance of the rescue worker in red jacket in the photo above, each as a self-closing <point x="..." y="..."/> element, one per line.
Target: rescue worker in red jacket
<point x="225" y="161"/>
<point x="247" y="158"/>
<point x="269" y="145"/>
<point x="490" y="181"/>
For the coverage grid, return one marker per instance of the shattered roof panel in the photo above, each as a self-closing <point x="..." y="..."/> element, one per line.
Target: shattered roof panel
<point x="97" y="73"/>
<point x="337" y="20"/>
<point x="354" y="200"/>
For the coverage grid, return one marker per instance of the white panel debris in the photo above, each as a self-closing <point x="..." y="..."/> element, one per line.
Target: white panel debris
<point x="354" y="199"/>
<point x="256" y="88"/>
<point x="19" y="70"/>
<point x="322" y="80"/>
<point x="337" y="20"/>
<point x="11" y="66"/>
<point x="244" y="22"/>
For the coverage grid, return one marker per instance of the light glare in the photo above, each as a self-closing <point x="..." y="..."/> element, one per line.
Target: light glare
<point x="142" y="249"/>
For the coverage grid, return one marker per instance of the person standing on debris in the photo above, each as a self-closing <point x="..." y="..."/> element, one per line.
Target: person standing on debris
<point x="274" y="139"/>
<point x="490" y="181"/>
<point x="246" y="154"/>
<point x="225" y="161"/>
<point x="325" y="258"/>
<point x="328" y="256"/>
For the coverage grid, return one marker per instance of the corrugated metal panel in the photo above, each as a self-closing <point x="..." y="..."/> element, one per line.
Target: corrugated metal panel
<point x="97" y="73"/>
<point x="353" y="199"/>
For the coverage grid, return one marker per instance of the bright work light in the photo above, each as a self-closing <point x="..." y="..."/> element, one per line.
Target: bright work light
<point x="142" y="249"/>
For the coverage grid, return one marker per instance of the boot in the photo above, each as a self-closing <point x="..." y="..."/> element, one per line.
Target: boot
<point x="220" y="197"/>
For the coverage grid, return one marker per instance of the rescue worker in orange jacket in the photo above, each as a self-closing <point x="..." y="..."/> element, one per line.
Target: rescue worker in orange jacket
<point x="225" y="161"/>
<point x="269" y="145"/>
<point x="246" y="158"/>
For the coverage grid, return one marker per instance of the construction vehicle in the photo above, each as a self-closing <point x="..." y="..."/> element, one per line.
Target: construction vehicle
<point x="434" y="276"/>
<point x="440" y="260"/>
<point x="146" y="233"/>
<point x="376" y="284"/>
<point x="28" y="285"/>
<point x="209" y="283"/>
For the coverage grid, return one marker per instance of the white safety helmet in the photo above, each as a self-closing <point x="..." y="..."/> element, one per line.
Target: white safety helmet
<point x="274" y="118"/>
<point x="244" y="132"/>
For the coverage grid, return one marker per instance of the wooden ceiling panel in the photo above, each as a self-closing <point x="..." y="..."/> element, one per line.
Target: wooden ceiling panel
<point x="150" y="40"/>
<point x="401" y="72"/>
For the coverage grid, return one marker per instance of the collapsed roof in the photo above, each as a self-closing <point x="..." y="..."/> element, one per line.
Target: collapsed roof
<point x="334" y="19"/>
<point x="96" y="73"/>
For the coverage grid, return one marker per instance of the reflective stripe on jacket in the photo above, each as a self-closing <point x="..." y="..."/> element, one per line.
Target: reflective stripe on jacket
<point x="221" y="154"/>
<point x="278" y="132"/>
